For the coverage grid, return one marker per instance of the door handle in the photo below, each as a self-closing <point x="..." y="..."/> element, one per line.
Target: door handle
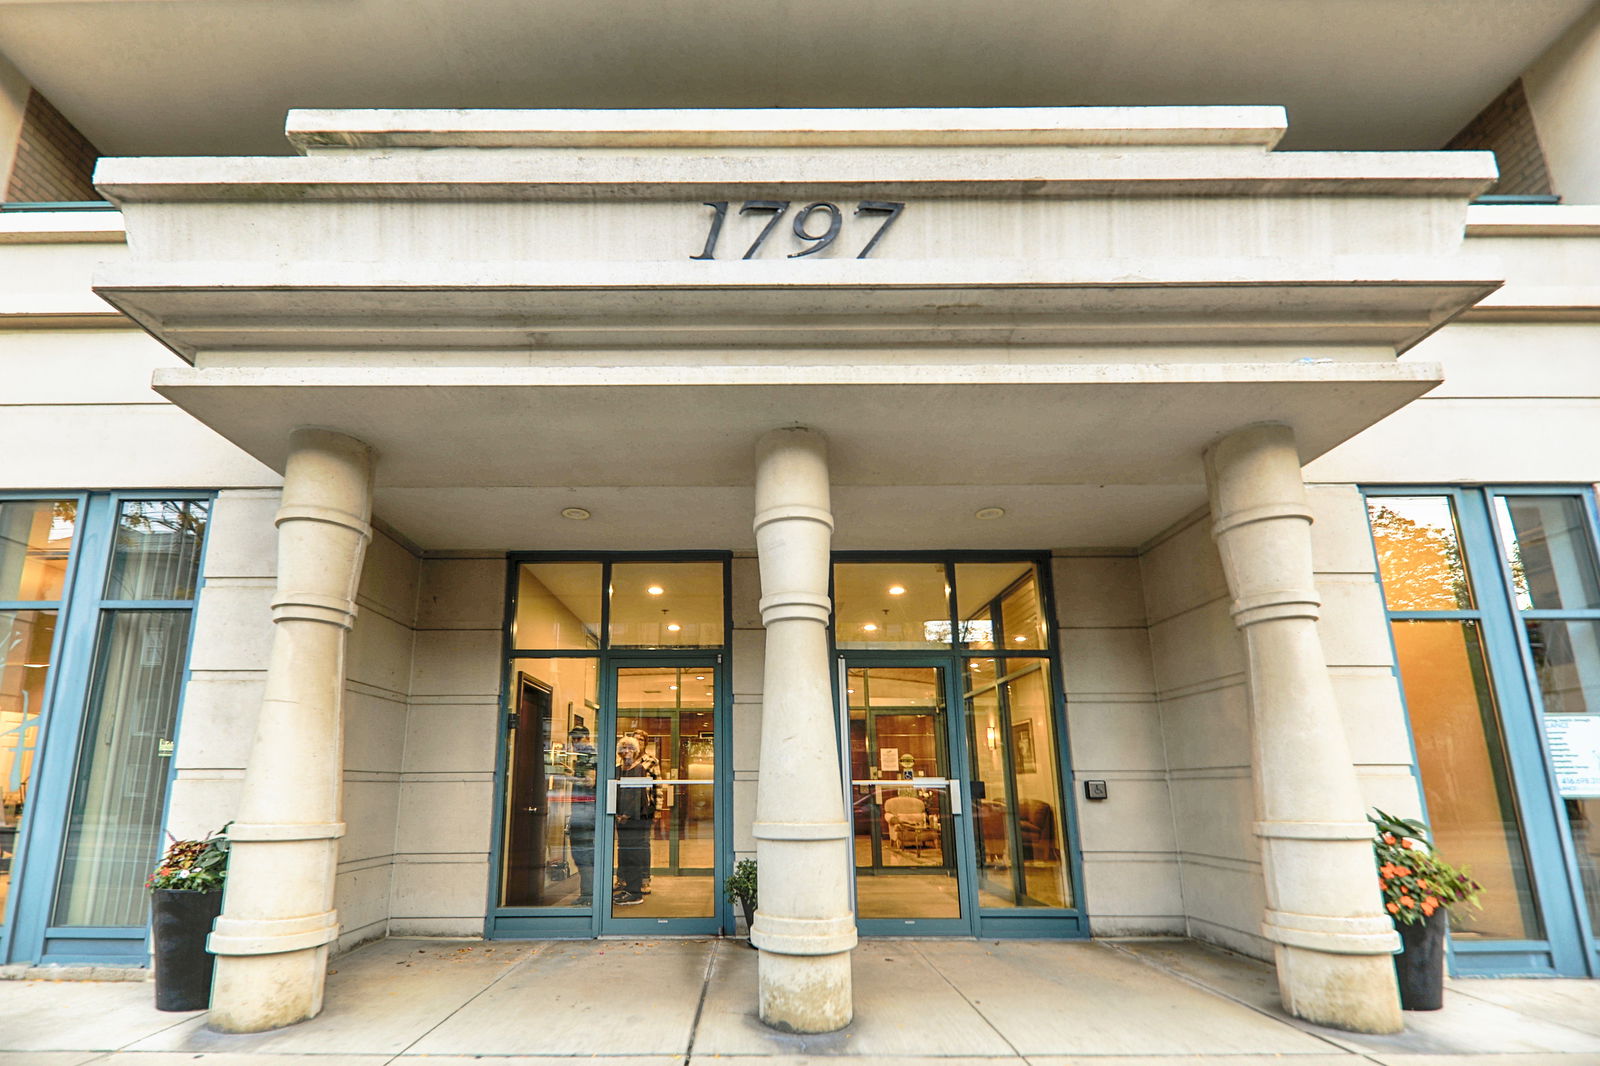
<point x="611" y="797"/>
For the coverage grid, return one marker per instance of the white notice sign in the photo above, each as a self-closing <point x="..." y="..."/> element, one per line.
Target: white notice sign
<point x="889" y="759"/>
<point x="1574" y="741"/>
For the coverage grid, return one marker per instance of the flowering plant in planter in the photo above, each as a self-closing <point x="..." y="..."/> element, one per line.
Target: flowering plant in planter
<point x="193" y="865"/>
<point x="1415" y="881"/>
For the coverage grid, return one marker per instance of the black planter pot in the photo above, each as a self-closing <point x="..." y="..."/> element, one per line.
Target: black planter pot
<point x="749" y="909"/>
<point x="1420" y="964"/>
<point x="180" y="921"/>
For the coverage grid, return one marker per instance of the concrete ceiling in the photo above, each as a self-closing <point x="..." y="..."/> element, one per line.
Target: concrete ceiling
<point x="215" y="77"/>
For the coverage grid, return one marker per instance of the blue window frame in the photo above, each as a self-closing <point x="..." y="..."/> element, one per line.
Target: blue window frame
<point x="106" y="727"/>
<point x="1493" y="597"/>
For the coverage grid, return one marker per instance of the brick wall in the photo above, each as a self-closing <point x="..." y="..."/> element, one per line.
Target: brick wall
<point x="1506" y="128"/>
<point x="54" y="161"/>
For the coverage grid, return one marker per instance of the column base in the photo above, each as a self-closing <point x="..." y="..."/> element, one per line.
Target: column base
<point x="1355" y="993"/>
<point x="805" y="993"/>
<point x="255" y="993"/>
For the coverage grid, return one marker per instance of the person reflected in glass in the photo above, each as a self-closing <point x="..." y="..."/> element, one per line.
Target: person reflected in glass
<point x="580" y="825"/>
<point x="636" y="812"/>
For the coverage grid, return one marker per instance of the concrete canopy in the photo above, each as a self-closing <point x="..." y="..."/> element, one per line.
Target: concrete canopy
<point x="213" y="77"/>
<point x="1076" y="304"/>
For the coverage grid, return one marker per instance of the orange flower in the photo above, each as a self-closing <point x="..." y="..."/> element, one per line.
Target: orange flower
<point x="1421" y="883"/>
<point x="1407" y="901"/>
<point x="1405" y="844"/>
<point x="1431" y="901"/>
<point x="1394" y="908"/>
<point x="1403" y="871"/>
<point x="1388" y="838"/>
<point x="1428" y="908"/>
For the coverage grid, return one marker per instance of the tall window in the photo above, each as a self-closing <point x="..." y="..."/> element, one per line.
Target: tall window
<point x="1494" y="604"/>
<point x="97" y="593"/>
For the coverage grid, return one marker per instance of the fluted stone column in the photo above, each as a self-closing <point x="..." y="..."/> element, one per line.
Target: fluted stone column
<point x="1333" y="941"/>
<point x="803" y="924"/>
<point x="277" y="917"/>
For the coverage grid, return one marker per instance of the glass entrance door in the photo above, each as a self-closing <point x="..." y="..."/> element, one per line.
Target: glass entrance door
<point x="660" y="830"/>
<point x="911" y="859"/>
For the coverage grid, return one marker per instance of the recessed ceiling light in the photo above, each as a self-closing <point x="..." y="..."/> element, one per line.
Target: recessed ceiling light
<point x="851" y="691"/>
<point x="1020" y="640"/>
<point x="871" y="627"/>
<point x="897" y="590"/>
<point x="987" y="513"/>
<point x="655" y="590"/>
<point x="699" y="677"/>
<point x="577" y="514"/>
<point x="672" y="688"/>
<point x="673" y="628"/>
<point x="975" y="666"/>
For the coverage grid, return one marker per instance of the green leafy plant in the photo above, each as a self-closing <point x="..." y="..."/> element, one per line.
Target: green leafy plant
<point x="1415" y="881"/>
<point x="195" y="865"/>
<point x="740" y="887"/>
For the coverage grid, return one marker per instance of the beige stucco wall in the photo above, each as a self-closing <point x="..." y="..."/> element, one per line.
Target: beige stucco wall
<point x="1562" y="88"/>
<point x="1130" y="856"/>
<point x="446" y="806"/>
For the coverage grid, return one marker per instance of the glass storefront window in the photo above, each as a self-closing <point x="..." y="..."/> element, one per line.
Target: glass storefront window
<point x="552" y="765"/>
<point x="1419" y="553"/>
<point x="129" y="731"/>
<point x="998" y="605"/>
<point x="118" y="798"/>
<point x="26" y="638"/>
<point x="666" y="605"/>
<point x="558" y="607"/>
<point x="901" y="606"/>
<point x="1016" y="785"/>
<point x="1461" y="754"/>
<point x="1548" y="551"/>
<point x="157" y="550"/>
<point x="35" y="542"/>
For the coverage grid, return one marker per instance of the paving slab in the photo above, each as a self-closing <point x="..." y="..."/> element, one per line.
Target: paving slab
<point x="519" y="1060"/>
<point x="903" y="1007"/>
<point x="1543" y="1059"/>
<point x="1551" y="1058"/>
<point x="1574" y="1004"/>
<point x="80" y="1016"/>
<point x="1082" y="998"/>
<point x="48" y="1058"/>
<point x="1340" y="1059"/>
<point x="833" y="1060"/>
<point x="379" y="999"/>
<point x="584" y="998"/>
<point x="236" y="1058"/>
<point x="1468" y="1024"/>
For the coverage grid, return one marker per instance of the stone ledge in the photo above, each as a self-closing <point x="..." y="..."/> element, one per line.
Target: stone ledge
<point x="23" y="971"/>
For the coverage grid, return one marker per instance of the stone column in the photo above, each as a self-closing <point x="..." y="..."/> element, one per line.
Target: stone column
<point x="1333" y="942"/>
<point x="803" y="924"/>
<point x="277" y="917"/>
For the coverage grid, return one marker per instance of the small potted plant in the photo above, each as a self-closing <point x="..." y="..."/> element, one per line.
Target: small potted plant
<point x="1419" y="888"/>
<point x="740" y="888"/>
<point x="185" y="899"/>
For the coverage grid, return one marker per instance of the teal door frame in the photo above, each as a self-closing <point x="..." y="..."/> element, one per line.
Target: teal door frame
<point x="722" y="786"/>
<point x="956" y="835"/>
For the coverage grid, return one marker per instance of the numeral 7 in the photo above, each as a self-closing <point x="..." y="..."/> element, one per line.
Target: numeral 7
<point x="891" y="208"/>
<point x="777" y="207"/>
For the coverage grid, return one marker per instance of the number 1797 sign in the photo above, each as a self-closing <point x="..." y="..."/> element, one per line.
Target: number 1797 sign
<point x="816" y="224"/>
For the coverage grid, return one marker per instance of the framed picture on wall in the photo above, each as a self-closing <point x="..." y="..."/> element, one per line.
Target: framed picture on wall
<point x="1022" y="746"/>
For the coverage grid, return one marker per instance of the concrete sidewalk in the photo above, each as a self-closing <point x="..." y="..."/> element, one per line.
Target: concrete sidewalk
<point x="677" y="1002"/>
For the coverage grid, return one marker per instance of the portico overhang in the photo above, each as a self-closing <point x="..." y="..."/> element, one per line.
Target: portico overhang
<point x="521" y="313"/>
